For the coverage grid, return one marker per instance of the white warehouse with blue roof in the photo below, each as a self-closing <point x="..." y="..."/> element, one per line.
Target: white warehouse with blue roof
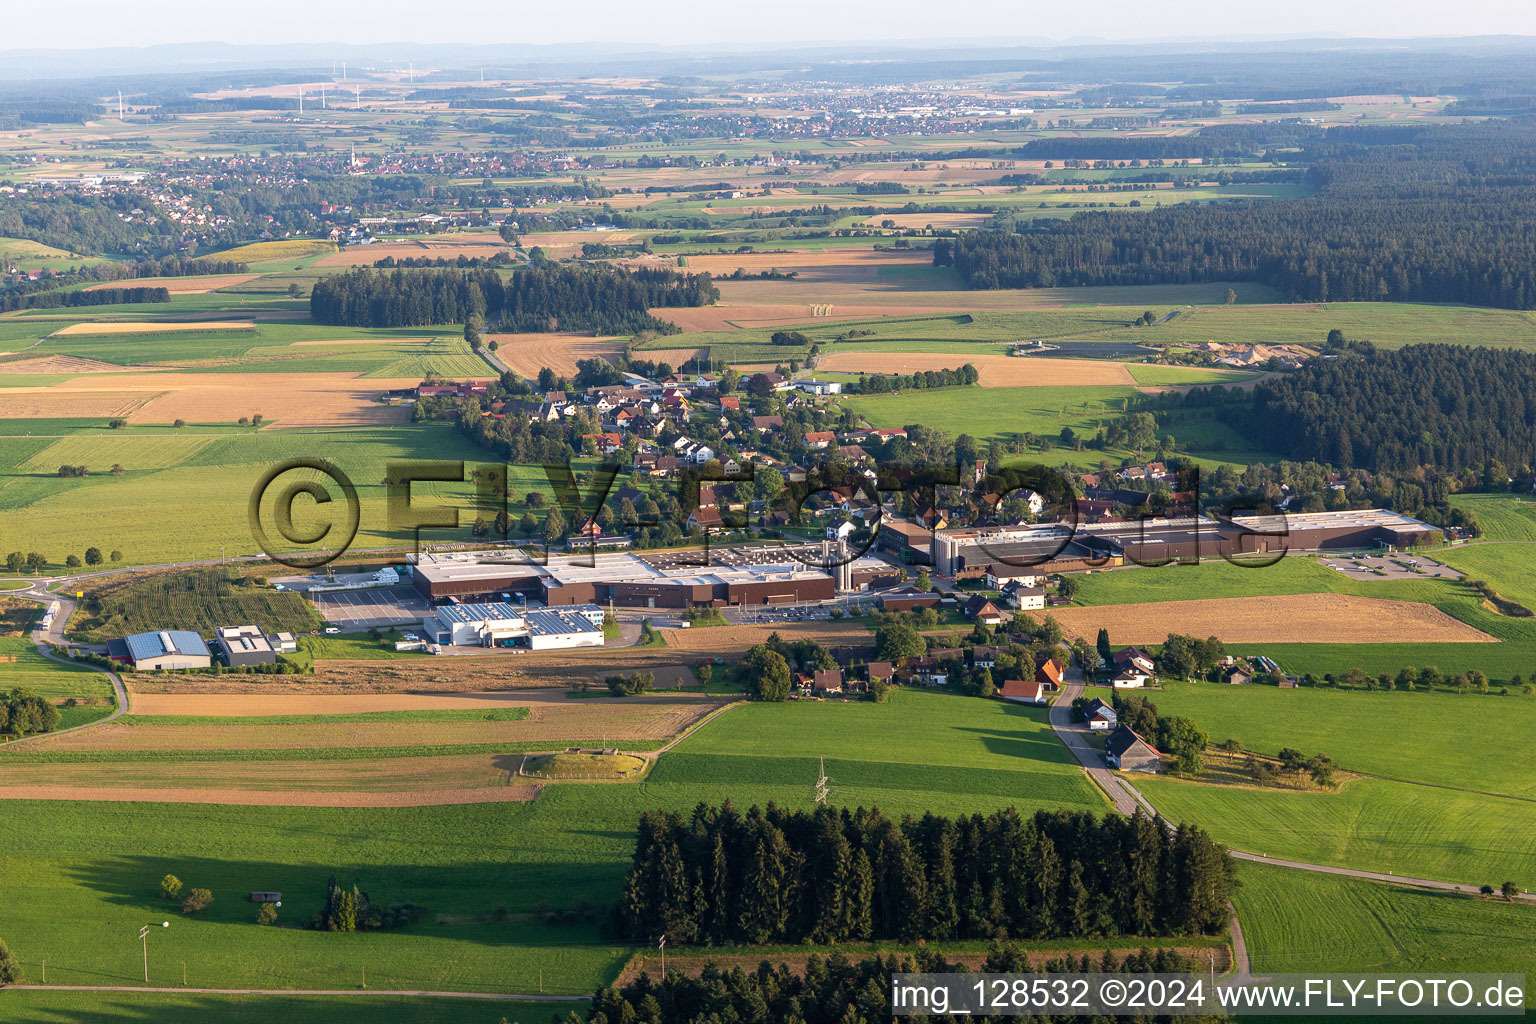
<point x="501" y="624"/>
<point x="168" y="649"/>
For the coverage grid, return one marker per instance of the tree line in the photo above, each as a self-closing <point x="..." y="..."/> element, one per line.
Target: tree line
<point x="11" y="300"/>
<point x="1426" y="215"/>
<point x="550" y="297"/>
<point x="880" y="384"/>
<point x="776" y="875"/>
<point x="837" y="989"/>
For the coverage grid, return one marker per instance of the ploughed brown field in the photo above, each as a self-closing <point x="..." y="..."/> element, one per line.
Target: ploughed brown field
<point x="1297" y="618"/>
<point x="179" y="285"/>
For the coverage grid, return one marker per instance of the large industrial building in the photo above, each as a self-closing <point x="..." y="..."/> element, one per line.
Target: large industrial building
<point x="1005" y="551"/>
<point x="502" y="624"/>
<point x="628" y="581"/>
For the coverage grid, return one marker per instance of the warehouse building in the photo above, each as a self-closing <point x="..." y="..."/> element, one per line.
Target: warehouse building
<point x="501" y="624"/>
<point x="166" y="650"/>
<point x="243" y="646"/>
<point x="628" y="581"/>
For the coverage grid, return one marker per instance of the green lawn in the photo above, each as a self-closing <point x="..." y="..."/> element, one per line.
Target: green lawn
<point x="1298" y="921"/>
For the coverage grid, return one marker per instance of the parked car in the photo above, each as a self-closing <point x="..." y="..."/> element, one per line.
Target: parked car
<point x="331" y="629"/>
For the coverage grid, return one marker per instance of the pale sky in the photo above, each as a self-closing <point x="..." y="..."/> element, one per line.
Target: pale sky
<point x="101" y="23"/>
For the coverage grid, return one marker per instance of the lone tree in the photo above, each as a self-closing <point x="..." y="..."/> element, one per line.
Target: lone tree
<point x="10" y="970"/>
<point x="1510" y="890"/>
<point x="170" y="887"/>
<point x="267" y="914"/>
<point x="767" y="674"/>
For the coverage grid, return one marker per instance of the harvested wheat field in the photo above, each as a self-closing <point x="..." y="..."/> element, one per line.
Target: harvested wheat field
<point x="529" y="353"/>
<point x="295" y="399"/>
<point x="736" y="639"/>
<point x="69" y="364"/>
<point x="1300" y="618"/>
<point x="153" y="327"/>
<point x="51" y="403"/>
<point x="995" y="371"/>
<point x="179" y="285"/>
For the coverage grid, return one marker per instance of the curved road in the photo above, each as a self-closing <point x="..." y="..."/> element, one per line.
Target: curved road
<point x="54" y="635"/>
<point x="1126" y="798"/>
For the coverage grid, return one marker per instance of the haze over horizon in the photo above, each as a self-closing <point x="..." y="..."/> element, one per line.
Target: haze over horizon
<point x="98" y="24"/>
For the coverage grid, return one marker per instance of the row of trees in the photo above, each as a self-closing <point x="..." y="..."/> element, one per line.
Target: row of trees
<point x="879" y="383"/>
<point x="34" y="561"/>
<point x="836" y="988"/>
<point x="779" y="876"/>
<point x="548" y="297"/>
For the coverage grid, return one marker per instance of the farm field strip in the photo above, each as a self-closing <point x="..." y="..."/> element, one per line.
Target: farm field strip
<point x="1313" y="618"/>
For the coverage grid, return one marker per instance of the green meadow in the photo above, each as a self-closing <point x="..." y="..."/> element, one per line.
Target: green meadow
<point x="1415" y="735"/>
<point x="1304" y="921"/>
<point x="198" y="505"/>
<point x="80" y="906"/>
<point x="1374" y="824"/>
<point x="985" y="413"/>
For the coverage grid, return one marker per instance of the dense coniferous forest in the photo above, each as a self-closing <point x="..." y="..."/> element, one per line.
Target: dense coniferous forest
<point x="15" y="299"/>
<point x="836" y="989"/>
<point x="1445" y="406"/>
<point x="781" y="876"/>
<point x="1425" y="215"/>
<point x="546" y="298"/>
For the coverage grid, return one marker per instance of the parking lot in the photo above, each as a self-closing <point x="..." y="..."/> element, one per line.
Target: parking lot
<point x="1400" y="566"/>
<point x="362" y="609"/>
